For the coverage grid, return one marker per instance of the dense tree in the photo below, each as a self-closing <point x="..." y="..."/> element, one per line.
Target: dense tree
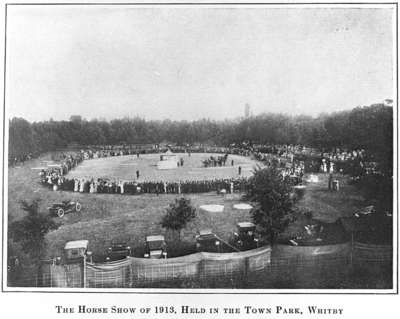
<point x="370" y="128"/>
<point x="178" y="214"/>
<point x="272" y="195"/>
<point x="26" y="244"/>
<point x="21" y="141"/>
<point x="30" y="231"/>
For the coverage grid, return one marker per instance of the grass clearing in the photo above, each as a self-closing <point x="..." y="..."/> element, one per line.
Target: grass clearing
<point x="107" y="217"/>
<point x="326" y="205"/>
<point x="125" y="167"/>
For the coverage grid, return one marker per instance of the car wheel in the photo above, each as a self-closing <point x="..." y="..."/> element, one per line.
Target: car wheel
<point x="78" y="207"/>
<point x="60" y="212"/>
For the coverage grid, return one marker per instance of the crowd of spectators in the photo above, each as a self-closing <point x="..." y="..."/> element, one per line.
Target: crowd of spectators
<point x="293" y="160"/>
<point x="54" y="175"/>
<point x="107" y="186"/>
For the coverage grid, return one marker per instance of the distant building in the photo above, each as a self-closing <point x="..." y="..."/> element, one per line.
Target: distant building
<point x="388" y="102"/>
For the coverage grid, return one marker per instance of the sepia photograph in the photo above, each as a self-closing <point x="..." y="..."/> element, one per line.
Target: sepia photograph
<point x="200" y="148"/>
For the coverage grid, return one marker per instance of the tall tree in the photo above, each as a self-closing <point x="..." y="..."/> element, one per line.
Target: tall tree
<point x="178" y="214"/>
<point x="31" y="230"/>
<point x="274" y="205"/>
<point x="20" y="138"/>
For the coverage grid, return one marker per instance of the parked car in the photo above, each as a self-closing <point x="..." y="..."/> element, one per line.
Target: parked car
<point x="13" y="263"/>
<point x="156" y="247"/>
<point x="368" y="210"/>
<point x="118" y="251"/>
<point x="76" y="250"/>
<point x="318" y="233"/>
<point x="245" y="238"/>
<point x="206" y="240"/>
<point x="65" y="207"/>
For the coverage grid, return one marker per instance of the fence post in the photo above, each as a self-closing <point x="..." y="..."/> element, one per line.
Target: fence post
<point x="200" y="270"/>
<point x="123" y="279"/>
<point x="246" y="270"/>
<point x="351" y="249"/>
<point x="84" y="272"/>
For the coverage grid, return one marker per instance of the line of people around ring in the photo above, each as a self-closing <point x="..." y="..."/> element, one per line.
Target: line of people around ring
<point x="108" y="186"/>
<point x="287" y="157"/>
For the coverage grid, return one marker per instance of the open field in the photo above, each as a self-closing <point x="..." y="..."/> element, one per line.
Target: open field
<point x="107" y="217"/>
<point x="125" y="167"/>
<point x="326" y="205"/>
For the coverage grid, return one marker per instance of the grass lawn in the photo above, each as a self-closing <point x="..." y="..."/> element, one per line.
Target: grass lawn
<point x="107" y="217"/>
<point x="125" y="167"/>
<point x="326" y="205"/>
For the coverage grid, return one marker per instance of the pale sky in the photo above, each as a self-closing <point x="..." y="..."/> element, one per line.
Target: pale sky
<point x="186" y="63"/>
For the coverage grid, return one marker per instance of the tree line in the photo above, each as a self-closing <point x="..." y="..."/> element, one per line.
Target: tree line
<point x="369" y="127"/>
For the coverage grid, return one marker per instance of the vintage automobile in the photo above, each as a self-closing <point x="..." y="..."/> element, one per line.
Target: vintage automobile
<point x="156" y="247"/>
<point x="77" y="250"/>
<point x="65" y="207"/>
<point x="13" y="263"/>
<point x="318" y="233"/>
<point x="118" y="251"/>
<point x="245" y="237"/>
<point x="368" y="210"/>
<point x="206" y="240"/>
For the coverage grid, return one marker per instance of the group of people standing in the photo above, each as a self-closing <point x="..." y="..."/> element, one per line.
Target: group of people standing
<point x="213" y="161"/>
<point x="106" y="186"/>
<point x="54" y="176"/>
<point x="287" y="157"/>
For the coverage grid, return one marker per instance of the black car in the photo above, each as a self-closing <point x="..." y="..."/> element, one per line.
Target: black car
<point x="118" y="251"/>
<point x="207" y="241"/>
<point x="245" y="238"/>
<point x="65" y="207"/>
<point x="156" y="247"/>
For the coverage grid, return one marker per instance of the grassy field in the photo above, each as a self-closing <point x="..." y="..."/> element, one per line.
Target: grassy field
<point x="107" y="217"/>
<point x="326" y="205"/>
<point x="125" y="167"/>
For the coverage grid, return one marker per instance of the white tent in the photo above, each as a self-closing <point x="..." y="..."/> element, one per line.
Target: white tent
<point x="168" y="161"/>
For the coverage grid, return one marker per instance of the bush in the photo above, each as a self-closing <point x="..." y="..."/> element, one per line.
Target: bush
<point x="178" y="214"/>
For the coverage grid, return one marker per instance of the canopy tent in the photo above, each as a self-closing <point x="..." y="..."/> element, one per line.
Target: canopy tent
<point x="168" y="160"/>
<point x="167" y="156"/>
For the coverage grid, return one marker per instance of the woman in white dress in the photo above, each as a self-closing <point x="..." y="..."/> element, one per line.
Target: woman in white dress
<point x="121" y="185"/>
<point x="81" y="185"/>
<point x="91" y="187"/>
